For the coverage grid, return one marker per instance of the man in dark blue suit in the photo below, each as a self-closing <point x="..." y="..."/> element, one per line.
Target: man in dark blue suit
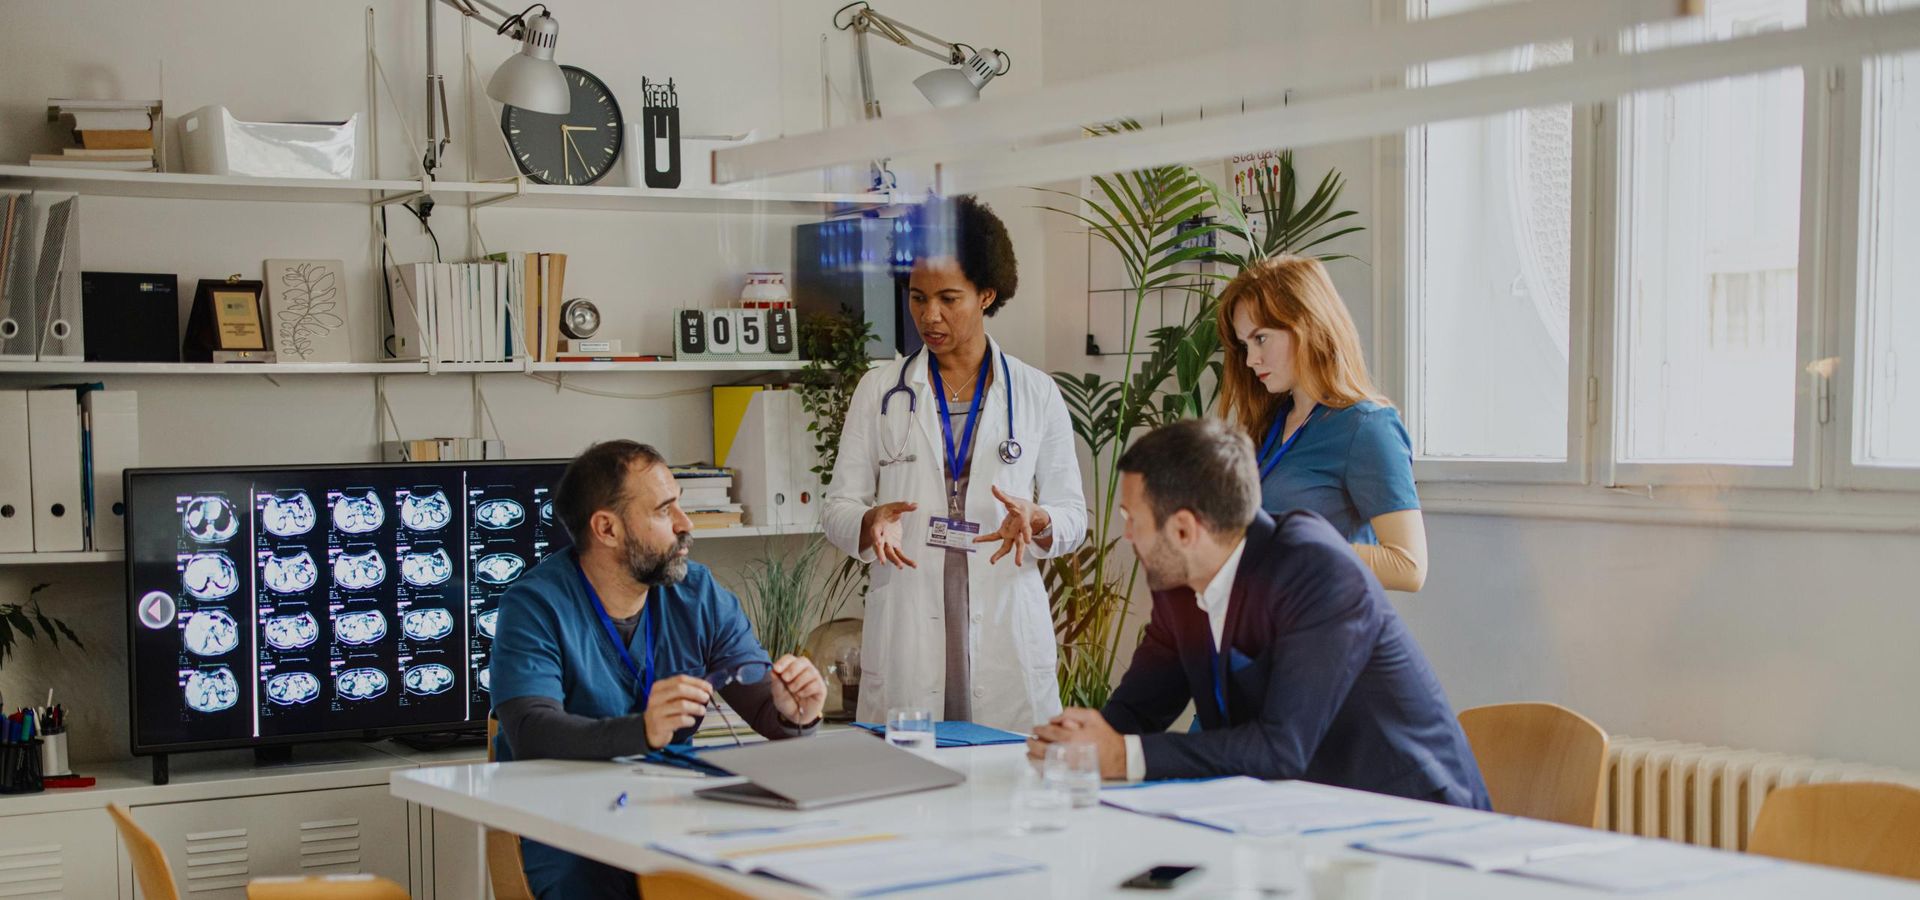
<point x="1278" y="634"/>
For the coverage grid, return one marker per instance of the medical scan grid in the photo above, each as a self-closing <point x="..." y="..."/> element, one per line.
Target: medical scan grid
<point x="327" y="601"/>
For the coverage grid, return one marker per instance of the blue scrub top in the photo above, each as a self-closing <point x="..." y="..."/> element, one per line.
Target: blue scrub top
<point x="1348" y="465"/>
<point x="550" y="643"/>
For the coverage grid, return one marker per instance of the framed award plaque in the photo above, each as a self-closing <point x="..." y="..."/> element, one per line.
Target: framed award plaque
<point x="228" y="323"/>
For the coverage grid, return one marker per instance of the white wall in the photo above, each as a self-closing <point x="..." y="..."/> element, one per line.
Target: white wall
<point x="738" y="65"/>
<point x="1793" y="641"/>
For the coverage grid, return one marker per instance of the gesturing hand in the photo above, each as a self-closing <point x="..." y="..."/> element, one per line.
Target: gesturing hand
<point x="674" y="703"/>
<point x="1024" y="519"/>
<point x="881" y="530"/>
<point x="799" y="693"/>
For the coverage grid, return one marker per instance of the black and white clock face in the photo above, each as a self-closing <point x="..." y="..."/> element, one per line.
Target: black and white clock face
<point x="577" y="148"/>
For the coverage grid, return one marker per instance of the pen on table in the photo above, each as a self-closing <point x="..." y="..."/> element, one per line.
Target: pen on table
<point x="620" y="802"/>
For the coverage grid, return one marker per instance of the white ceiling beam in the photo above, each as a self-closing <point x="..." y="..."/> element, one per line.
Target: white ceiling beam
<point x="1348" y="55"/>
<point x="1355" y="116"/>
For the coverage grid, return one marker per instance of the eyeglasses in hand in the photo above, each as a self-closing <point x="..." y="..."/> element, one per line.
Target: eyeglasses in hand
<point x="745" y="673"/>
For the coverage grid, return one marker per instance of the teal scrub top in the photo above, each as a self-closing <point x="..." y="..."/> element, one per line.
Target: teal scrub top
<point x="1348" y="465"/>
<point x="550" y="642"/>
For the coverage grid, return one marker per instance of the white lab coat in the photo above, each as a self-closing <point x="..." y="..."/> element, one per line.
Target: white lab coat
<point x="903" y="644"/>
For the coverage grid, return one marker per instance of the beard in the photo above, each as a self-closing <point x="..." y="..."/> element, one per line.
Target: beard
<point x="1166" y="568"/>
<point x="652" y="568"/>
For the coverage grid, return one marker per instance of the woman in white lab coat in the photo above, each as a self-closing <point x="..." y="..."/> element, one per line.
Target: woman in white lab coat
<point x="956" y="473"/>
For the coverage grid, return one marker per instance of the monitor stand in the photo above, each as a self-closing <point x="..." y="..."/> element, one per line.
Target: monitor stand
<point x="278" y="755"/>
<point x="429" y="742"/>
<point x="160" y="768"/>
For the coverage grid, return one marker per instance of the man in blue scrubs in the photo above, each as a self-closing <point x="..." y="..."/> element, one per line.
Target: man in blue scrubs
<point x="615" y="646"/>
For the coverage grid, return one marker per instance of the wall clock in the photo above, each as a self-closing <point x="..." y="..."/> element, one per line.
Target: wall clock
<point x="580" y="147"/>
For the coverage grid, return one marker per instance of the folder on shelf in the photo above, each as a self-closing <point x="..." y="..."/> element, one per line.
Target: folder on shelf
<point x="111" y="445"/>
<point x="53" y="439"/>
<point x="56" y="290"/>
<point x="410" y="331"/>
<point x="19" y="320"/>
<point x="16" y="487"/>
<point x="761" y="433"/>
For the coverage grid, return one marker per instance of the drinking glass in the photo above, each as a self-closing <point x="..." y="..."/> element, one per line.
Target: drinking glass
<point x="1039" y="805"/>
<point x="911" y="728"/>
<point x="1075" y="769"/>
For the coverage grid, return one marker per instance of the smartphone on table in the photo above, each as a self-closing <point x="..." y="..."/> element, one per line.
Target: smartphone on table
<point x="1159" y="878"/>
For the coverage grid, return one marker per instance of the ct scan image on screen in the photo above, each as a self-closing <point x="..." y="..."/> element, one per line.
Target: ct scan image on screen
<point x="274" y="603"/>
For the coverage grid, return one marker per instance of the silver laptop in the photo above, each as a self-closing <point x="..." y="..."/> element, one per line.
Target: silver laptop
<point x="825" y="770"/>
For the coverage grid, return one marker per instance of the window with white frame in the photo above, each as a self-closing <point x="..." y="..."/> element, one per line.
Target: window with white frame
<point x="1489" y="269"/>
<point x="1887" y="373"/>
<point x="1707" y="285"/>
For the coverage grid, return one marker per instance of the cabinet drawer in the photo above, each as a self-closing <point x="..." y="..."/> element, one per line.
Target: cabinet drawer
<point x="216" y="846"/>
<point x="64" y="854"/>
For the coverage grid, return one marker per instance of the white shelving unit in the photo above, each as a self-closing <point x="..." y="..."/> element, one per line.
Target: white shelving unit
<point x="114" y="556"/>
<point x="399" y="368"/>
<point x="519" y="193"/>
<point x="69" y="558"/>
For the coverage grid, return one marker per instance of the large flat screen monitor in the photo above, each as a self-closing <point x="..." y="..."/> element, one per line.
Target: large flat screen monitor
<point x="276" y="605"/>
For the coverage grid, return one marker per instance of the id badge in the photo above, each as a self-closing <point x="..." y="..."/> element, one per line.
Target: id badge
<point x="952" y="534"/>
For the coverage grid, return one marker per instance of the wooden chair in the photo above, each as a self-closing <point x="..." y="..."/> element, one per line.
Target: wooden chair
<point x="504" y="867"/>
<point x="1540" y="760"/>
<point x="675" y="884"/>
<point x="155" y="877"/>
<point x="1862" y="825"/>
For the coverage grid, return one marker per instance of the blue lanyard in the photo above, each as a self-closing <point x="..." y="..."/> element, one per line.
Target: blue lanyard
<point x="647" y="628"/>
<point x="1267" y="465"/>
<point x="959" y="457"/>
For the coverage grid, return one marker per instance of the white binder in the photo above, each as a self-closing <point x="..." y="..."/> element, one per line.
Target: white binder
<point x="112" y="422"/>
<point x="53" y="437"/>
<point x="56" y="292"/>
<point x="772" y="457"/>
<point x="19" y="269"/>
<point x="16" y="487"/>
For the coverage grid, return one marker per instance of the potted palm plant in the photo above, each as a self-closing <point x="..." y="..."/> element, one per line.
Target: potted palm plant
<point x="1159" y="220"/>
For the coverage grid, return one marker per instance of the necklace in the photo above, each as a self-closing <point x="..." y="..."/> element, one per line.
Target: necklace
<point x="954" y="392"/>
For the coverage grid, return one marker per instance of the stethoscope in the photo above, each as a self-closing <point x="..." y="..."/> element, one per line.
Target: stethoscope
<point x="1009" y="448"/>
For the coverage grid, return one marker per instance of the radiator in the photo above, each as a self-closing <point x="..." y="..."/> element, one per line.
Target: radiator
<point x="1709" y="795"/>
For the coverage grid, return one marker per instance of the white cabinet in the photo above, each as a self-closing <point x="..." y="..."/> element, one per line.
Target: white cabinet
<point x="459" y="858"/>
<point x="62" y="854"/>
<point x="216" y="846"/>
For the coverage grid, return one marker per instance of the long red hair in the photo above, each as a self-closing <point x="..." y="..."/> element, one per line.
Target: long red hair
<point x="1292" y="293"/>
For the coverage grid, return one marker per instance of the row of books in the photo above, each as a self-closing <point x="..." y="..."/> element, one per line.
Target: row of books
<point x="706" y="496"/>
<point x="107" y="134"/>
<point x="537" y="287"/>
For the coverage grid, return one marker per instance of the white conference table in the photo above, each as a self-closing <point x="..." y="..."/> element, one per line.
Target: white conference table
<point x="569" y="805"/>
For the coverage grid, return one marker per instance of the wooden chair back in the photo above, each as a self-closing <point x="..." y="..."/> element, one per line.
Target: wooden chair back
<point x="1866" y="826"/>
<point x="150" y="869"/>
<point x="504" y="867"/>
<point x="1540" y="760"/>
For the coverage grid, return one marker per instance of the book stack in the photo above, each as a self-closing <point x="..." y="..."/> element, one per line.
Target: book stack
<point x="537" y="286"/>
<point x="471" y="312"/>
<point x="706" y="496"/>
<point x="442" y="449"/>
<point x="107" y="134"/>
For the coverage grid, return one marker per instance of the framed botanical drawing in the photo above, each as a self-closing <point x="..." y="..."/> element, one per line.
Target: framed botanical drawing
<point x="309" y="310"/>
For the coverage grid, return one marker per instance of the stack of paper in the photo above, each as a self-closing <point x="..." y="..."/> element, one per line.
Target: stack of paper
<point x="842" y="860"/>
<point x="1595" y="859"/>
<point x="1498" y="844"/>
<point x="1646" y="866"/>
<point x="1245" y="805"/>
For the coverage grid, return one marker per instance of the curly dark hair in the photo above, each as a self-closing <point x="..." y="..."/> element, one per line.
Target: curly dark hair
<point x="966" y="229"/>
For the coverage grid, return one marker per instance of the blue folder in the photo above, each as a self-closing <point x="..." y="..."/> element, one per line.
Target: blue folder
<point x="958" y="734"/>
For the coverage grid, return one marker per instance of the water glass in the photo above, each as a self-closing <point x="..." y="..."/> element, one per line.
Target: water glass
<point x="1039" y="805"/>
<point x="1075" y="769"/>
<point x="911" y="729"/>
<point x="1344" y="879"/>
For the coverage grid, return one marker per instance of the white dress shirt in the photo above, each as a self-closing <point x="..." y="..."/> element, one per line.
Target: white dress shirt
<point x="1213" y="602"/>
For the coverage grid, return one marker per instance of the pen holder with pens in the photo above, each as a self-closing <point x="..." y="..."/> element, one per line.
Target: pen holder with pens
<point x="21" y="767"/>
<point x="53" y="756"/>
